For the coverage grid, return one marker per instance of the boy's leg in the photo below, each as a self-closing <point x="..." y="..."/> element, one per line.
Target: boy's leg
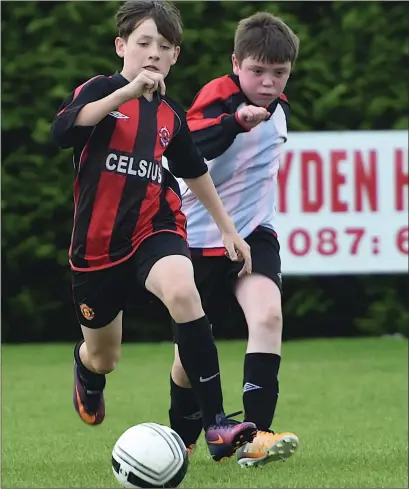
<point x="99" y="300"/>
<point x="259" y="296"/>
<point x="165" y="269"/>
<point x="260" y="300"/>
<point x="184" y="413"/>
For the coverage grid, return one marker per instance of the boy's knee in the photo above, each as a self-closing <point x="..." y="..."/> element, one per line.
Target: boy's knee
<point x="184" y="294"/>
<point x="183" y="302"/>
<point x="270" y="320"/>
<point x="273" y="319"/>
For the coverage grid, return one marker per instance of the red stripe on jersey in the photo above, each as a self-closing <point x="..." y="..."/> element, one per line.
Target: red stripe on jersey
<point x="83" y="155"/>
<point x="149" y="207"/>
<point x="76" y="199"/>
<point x="198" y="124"/>
<point x="214" y="251"/>
<point x="220" y="89"/>
<point x="124" y="135"/>
<point x="174" y="203"/>
<point x="109" y="191"/>
<point x="217" y="90"/>
<point x="76" y="93"/>
<point x="107" y="199"/>
<point x="164" y="129"/>
<point x="283" y="97"/>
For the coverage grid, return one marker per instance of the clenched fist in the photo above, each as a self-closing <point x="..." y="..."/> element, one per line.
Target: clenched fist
<point x="250" y="116"/>
<point x="147" y="82"/>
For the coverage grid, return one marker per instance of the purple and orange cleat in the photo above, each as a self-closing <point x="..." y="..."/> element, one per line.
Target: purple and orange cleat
<point x="228" y="435"/>
<point x="90" y="405"/>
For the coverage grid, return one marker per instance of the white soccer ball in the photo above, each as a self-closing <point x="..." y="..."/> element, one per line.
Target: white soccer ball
<point x="149" y="455"/>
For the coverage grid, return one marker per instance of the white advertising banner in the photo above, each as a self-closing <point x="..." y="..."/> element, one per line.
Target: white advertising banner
<point x="342" y="205"/>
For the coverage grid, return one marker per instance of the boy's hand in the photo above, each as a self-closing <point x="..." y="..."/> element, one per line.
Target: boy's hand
<point x="146" y="82"/>
<point x="251" y="116"/>
<point x="237" y="250"/>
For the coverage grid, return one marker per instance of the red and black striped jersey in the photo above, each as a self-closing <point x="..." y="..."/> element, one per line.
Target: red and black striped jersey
<point x="122" y="194"/>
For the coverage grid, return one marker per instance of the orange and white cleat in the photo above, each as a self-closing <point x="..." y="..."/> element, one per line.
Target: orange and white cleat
<point x="191" y="450"/>
<point x="267" y="447"/>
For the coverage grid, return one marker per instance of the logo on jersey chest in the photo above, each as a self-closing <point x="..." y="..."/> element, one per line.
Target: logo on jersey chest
<point x="118" y="115"/>
<point x="164" y="136"/>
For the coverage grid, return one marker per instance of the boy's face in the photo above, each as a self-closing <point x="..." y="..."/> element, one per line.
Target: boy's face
<point x="146" y="48"/>
<point x="261" y="82"/>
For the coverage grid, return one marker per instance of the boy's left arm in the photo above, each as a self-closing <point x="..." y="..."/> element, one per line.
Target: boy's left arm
<point x="186" y="162"/>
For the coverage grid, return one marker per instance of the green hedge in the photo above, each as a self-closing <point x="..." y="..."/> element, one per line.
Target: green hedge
<point x="352" y="73"/>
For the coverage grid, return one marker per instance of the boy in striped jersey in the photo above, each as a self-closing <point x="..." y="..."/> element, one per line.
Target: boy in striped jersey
<point x="129" y="231"/>
<point x="239" y="123"/>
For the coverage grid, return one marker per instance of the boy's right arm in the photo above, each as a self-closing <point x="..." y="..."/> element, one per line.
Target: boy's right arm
<point x="94" y="100"/>
<point x="94" y="112"/>
<point x="213" y="126"/>
<point x="215" y="121"/>
<point x="74" y="121"/>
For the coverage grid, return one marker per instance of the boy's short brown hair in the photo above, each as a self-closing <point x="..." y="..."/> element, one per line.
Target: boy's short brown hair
<point x="164" y="13"/>
<point x="266" y="38"/>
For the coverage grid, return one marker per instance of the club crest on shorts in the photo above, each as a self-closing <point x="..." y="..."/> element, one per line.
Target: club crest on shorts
<point x="87" y="312"/>
<point x="164" y="136"/>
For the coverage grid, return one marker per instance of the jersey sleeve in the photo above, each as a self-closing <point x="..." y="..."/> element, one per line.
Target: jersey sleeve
<point x="283" y="101"/>
<point x="184" y="158"/>
<point x="63" y="131"/>
<point x="212" y="120"/>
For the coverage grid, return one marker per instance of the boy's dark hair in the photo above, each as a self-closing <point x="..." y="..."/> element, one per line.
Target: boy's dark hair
<point x="164" y="13"/>
<point x="266" y="38"/>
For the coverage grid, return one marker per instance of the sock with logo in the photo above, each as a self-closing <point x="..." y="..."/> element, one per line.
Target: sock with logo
<point x="90" y="380"/>
<point x="184" y="413"/>
<point x="198" y="355"/>
<point x="260" y="388"/>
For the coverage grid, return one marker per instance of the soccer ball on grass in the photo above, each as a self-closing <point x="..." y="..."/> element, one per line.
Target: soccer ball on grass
<point x="149" y="455"/>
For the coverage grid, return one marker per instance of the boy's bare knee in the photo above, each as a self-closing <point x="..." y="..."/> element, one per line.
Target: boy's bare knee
<point x="267" y="322"/>
<point x="272" y="319"/>
<point x="183" y="302"/>
<point x="172" y="280"/>
<point x="182" y="295"/>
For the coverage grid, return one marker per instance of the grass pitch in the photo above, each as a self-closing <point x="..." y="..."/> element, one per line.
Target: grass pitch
<point x="347" y="400"/>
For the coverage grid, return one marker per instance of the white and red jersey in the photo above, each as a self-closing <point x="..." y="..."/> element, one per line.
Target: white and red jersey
<point x="243" y="164"/>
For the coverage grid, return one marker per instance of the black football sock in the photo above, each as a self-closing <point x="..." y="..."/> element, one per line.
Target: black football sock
<point x="91" y="380"/>
<point x="260" y="388"/>
<point x="198" y="355"/>
<point x="184" y="413"/>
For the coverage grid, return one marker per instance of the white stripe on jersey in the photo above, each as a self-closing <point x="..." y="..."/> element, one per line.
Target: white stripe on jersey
<point x="245" y="177"/>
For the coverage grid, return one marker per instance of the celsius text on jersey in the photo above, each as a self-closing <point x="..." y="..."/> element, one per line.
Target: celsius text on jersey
<point x="150" y="170"/>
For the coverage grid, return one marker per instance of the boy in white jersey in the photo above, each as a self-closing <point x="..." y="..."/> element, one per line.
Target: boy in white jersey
<point x="239" y="123"/>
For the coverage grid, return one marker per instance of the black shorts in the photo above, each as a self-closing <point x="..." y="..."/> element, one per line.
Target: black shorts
<point x="100" y="295"/>
<point x="216" y="276"/>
